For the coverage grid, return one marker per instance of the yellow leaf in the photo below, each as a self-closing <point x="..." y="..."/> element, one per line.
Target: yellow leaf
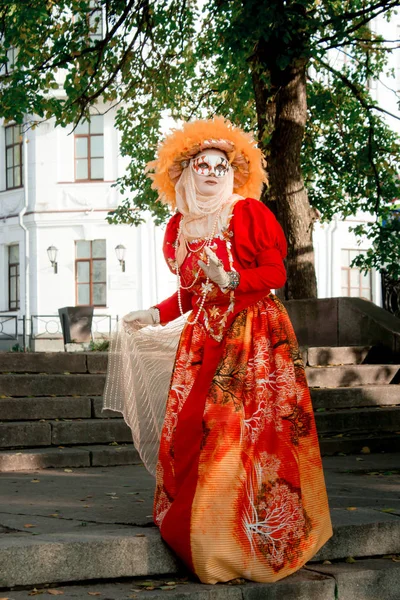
<point x="68" y="471"/>
<point x="55" y="592"/>
<point x="35" y="480"/>
<point x="365" y="450"/>
<point x="351" y="508"/>
<point x="27" y="525"/>
<point x="350" y="560"/>
<point x="35" y="592"/>
<point x="327" y="562"/>
<point x="54" y="515"/>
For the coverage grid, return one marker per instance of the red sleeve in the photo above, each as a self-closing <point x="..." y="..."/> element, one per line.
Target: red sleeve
<point x="171" y="233"/>
<point x="169" y="308"/>
<point x="260" y="247"/>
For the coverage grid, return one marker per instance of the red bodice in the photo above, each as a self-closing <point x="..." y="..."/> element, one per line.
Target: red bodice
<point x="252" y="244"/>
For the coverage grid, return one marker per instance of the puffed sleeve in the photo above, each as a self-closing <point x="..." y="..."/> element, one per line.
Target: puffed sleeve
<point x="260" y="247"/>
<point x="169" y="309"/>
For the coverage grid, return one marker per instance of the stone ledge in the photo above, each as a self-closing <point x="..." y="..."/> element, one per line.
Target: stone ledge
<point x="380" y="442"/>
<point x="98" y="413"/>
<point x="59" y="385"/>
<point x="97" y="552"/>
<point x="25" y="434"/>
<point x="43" y="458"/>
<point x="26" y="409"/>
<point x="364" y="532"/>
<point x="90" y="431"/>
<point x="110" y="456"/>
<point x="97" y="362"/>
<point x="339" y="355"/>
<point x="376" y="578"/>
<point x="373" y="420"/>
<point x="351" y="375"/>
<point x="368" y="395"/>
<point x="42" y="362"/>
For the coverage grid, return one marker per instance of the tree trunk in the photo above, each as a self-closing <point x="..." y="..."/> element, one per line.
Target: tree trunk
<point x="282" y="113"/>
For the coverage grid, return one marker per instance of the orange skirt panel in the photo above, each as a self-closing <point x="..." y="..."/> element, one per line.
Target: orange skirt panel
<point x="240" y="487"/>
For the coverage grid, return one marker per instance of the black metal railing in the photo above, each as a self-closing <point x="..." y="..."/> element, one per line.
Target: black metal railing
<point x="14" y="327"/>
<point x="8" y="327"/>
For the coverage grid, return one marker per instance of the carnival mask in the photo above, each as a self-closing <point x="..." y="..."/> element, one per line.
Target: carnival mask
<point x="209" y="163"/>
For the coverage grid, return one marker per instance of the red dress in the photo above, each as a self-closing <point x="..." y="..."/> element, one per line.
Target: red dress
<point x="240" y="489"/>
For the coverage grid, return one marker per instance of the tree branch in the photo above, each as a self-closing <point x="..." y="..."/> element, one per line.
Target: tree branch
<point x="356" y="91"/>
<point x="359" y="24"/>
<point x="349" y="16"/>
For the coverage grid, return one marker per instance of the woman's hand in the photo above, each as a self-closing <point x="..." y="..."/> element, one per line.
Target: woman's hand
<point x="226" y="280"/>
<point x="215" y="269"/>
<point x="146" y="317"/>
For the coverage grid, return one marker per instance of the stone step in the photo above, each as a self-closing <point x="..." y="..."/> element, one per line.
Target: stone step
<point x="372" y="579"/>
<point x="350" y="397"/>
<point x="354" y="444"/>
<point x="29" y="459"/>
<point x="352" y="375"/>
<point x="53" y="362"/>
<point x="30" y="434"/>
<point x="359" y="420"/>
<point x="69" y="407"/>
<point x="42" y="362"/>
<point x="92" y="384"/>
<point x="306" y="584"/>
<point x="77" y="456"/>
<point x="59" y="385"/>
<point x="111" y="551"/>
<point x="47" y="407"/>
<point x="36" y="408"/>
<point x="340" y="355"/>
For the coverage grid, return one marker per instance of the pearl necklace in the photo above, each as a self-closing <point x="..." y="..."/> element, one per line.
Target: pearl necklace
<point x="206" y="244"/>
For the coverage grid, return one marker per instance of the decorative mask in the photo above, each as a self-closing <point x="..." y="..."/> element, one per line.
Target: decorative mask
<point x="209" y="163"/>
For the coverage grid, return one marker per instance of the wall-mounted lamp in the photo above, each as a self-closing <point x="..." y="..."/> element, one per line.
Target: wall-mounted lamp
<point x="52" y="254"/>
<point x="120" y="251"/>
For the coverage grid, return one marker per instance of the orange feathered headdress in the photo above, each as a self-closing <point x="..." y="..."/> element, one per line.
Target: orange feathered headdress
<point x="183" y="144"/>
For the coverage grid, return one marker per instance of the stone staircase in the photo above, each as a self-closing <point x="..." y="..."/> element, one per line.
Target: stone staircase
<point x="51" y="413"/>
<point x="51" y="408"/>
<point x="89" y="531"/>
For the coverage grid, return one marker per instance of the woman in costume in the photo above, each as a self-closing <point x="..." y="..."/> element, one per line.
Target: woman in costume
<point x="239" y="483"/>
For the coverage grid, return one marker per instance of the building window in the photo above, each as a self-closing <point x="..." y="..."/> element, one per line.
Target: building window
<point x="355" y="283"/>
<point x="91" y="273"/>
<point x="95" y="21"/>
<point x="13" y="277"/>
<point x="8" y="66"/>
<point x="14" y="170"/>
<point x="89" y="149"/>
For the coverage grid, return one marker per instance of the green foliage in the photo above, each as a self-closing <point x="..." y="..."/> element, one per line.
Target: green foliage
<point x="172" y="59"/>
<point x="99" y="346"/>
<point x="18" y="348"/>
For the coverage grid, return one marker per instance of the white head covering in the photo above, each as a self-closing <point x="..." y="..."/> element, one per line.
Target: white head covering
<point x="199" y="212"/>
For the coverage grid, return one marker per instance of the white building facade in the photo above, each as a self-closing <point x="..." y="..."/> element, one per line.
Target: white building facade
<point x="56" y="188"/>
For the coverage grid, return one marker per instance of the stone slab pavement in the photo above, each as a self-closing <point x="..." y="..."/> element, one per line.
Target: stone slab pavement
<point x="51" y="500"/>
<point x="115" y="504"/>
